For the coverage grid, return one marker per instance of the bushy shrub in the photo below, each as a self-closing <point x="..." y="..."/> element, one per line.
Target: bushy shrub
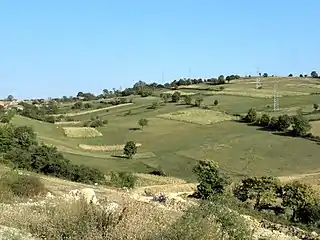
<point x="21" y="150"/>
<point x="34" y="112"/>
<point x="265" y="120"/>
<point x="284" y="122"/>
<point x="209" y="220"/>
<point x="211" y="180"/>
<point x="251" y="116"/>
<point x="175" y="97"/>
<point x="123" y="179"/>
<point x="273" y="124"/>
<point x="14" y="184"/>
<point x="158" y="172"/>
<point x="95" y="122"/>
<point x="130" y="149"/>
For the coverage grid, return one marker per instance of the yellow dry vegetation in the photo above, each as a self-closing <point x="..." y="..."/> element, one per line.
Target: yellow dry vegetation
<point x="198" y="116"/>
<point x="181" y="92"/>
<point x="67" y="123"/>
<point x="81" y="132"/>
<point x="108" y="148"/>
<point x="258" y="93"/>
<point x="315" y="128"/>
<point x="93" y="110"/>
<point x="164" y="188"/>
<point x="149" y="180"/>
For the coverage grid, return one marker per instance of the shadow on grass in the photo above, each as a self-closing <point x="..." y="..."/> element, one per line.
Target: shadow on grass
<point x="134" y="129"/>
<point x="119" y="156"/>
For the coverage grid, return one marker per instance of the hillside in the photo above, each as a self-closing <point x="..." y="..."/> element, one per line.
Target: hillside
<point x="240" y="149"/>
<point x="172" y="132"/>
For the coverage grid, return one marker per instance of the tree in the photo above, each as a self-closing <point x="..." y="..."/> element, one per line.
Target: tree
<point x="306" y="75"/>
<point x="77" y="105"/>
<point x="10" y="98"/>
<point x="301" y="75"/>
<point x="216" y="102"/>
<point x="284" y="122"/>
<point x="297" y="196"/>
<point x="221" y="78"/>
<point x="143" y="122"/>
<point x="264" y="190"/>
<point x="314" y="74"/>
<point x="187" y="99"/>
<point x="80" y="94"/>
<point x="198" y="101"/>
<point x="175" y="96"/>
<point x="211" y="180"/>
<point x="265" y="120"/>
<point x="265" y="75"/>
<point x="130" y="149"/>
<point x="165" y="97"/>
<point x="228" y="79"/>
<point x="251" y="115"/>
<point x="290" y="75"/>
<point x="301" y="126"/>
<point x="315" y="106"/>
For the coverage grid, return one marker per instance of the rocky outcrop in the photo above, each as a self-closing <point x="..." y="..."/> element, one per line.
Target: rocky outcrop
<point x="87" y="193"/>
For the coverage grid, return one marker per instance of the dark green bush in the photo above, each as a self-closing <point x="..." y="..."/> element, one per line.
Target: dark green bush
<point x="123" y="179"/>
<point x="21" y="150"/>
<point x="158" y="172"/>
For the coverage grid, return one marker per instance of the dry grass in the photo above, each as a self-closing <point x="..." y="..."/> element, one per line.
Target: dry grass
<point x="67" y="123"/>
<point x="181" y="92"/>
<point x="304" y="85"/>
<point x="315" y="130"/>
<point x="93" y="110"/>
<point x="257" y="93"/>
<point x="169" y="188"/>
<point x="149" y="180"/>
<point x="76" y="219"/>
<point x="81" y="132"/>
<point x="108" y="148"/>
<point x="198" y="116"/>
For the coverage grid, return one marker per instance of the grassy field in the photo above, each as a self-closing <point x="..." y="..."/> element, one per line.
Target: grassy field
<point x="175" y="146"/>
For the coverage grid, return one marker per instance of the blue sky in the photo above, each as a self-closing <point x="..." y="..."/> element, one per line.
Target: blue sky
<point x="56" y="48"/>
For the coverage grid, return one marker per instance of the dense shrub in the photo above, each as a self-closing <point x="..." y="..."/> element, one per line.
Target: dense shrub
<point x="158" y="172"/>
<point x="209" y="220"/>
<point x="130" y="149"/>
<point x="284" y="122"/>
<point x="13" y="184"/>
<point x="23" y="185"/>
<point x="123" y="179"/>
<point x="263" y="190"/>
<point x="301" y="126"/>
<point x="211" y="180"/>
<point x="20" y="149"/>
<point x="175" y="97"/>
<point x="251" y="116"/>
<point x="35" y="112"/>
<point x="265" y="120"/>
<point x="95" y="122"/>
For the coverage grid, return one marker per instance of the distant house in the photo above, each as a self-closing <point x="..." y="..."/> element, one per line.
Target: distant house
<point x="6" y="104"/>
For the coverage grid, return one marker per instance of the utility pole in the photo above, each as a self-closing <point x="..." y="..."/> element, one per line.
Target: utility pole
<point x="258" y="80"/>
<point x="275" y="97"/>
